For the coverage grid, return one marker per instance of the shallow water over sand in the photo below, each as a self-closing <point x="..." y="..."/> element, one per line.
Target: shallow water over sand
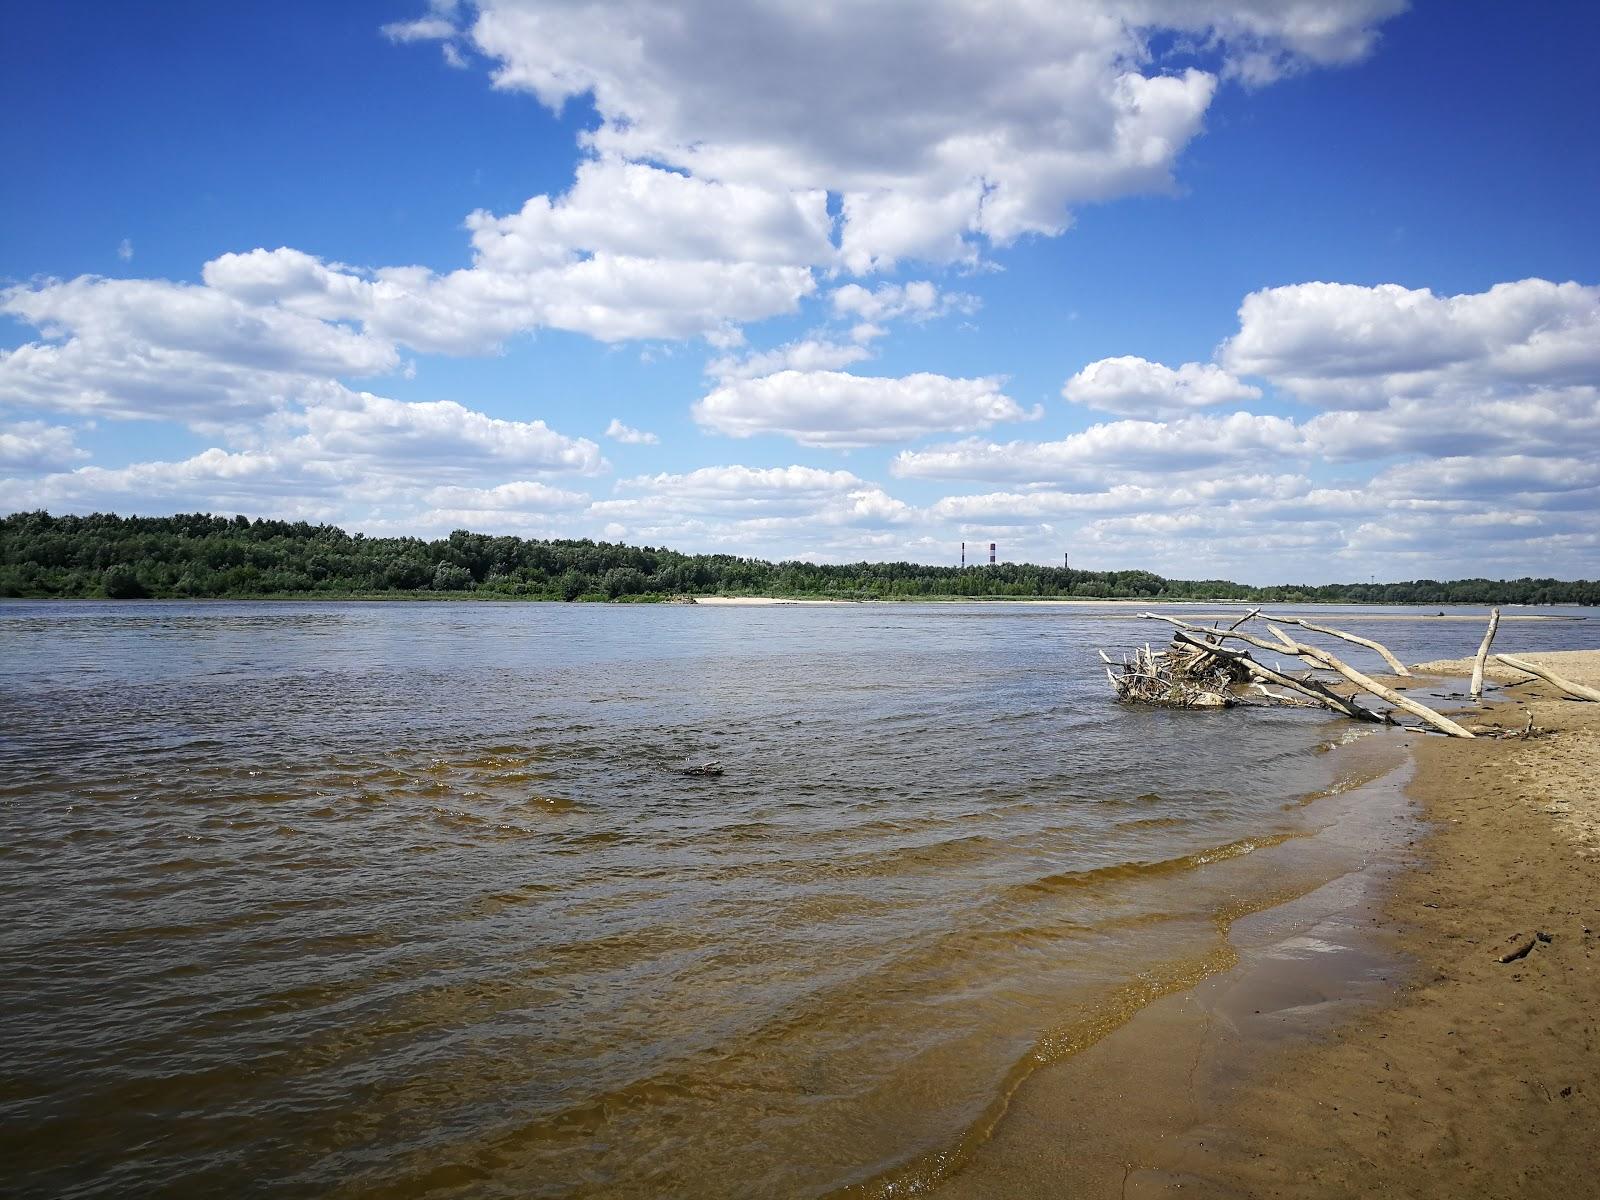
<point x="410" y="899"/>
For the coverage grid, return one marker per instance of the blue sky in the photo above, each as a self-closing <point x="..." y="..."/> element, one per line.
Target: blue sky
<point x="1273" y="291"/>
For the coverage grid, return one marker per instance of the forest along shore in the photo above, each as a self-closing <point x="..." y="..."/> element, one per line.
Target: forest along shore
<point x="196" y="556"/>
<point x="1476" y="1073"/>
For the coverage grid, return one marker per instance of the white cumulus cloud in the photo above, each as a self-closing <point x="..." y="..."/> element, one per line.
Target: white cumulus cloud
<point x="834" y="409"/>
<point x="1136" y="387"/>
<point x="1349" y="347"/>
<point x="807" y="354"/>
<point x="628" y="435"/>
<point x="148" y="348"/>
<point x="441" y="433"/>
<point x="36" y="446"/>
<point x="935" y="120"/>
<point x="1105" y="452"/>
<point x="918" y="300"/>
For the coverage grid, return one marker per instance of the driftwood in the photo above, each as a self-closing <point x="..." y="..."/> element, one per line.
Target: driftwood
<point x="1320" y="657"/>
<point x="1522" y="945"/>
<point x="1310" y="688"/>
<point x="1578" y="691"/>
<point x="1254" y="612"/>
<point x="1283" y="698"/>
<point x="1367" y="684"/>
<point x="1262" y="643"/>
<point x="1170" y="680"/>
<point x="1483" y="653"/>
<point x="1195" y="636"/>
<point x="1395" y="665"/>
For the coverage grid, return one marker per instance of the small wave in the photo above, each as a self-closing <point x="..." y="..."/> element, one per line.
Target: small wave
<point x="1072" y="880"/>
<point x="1153" y="823"/>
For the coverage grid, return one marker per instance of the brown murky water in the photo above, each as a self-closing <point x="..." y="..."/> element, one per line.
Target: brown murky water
<point x="414" y="900"/>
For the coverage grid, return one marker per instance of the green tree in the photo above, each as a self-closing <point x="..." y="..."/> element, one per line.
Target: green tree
<point x="571" y="585"/>
<point x="622" y="581"/>
<point x="121" y="582"/>
<point x="447" y="577"/>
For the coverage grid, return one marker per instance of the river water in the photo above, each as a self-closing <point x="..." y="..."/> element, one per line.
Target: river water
<point x="399" y="900"/>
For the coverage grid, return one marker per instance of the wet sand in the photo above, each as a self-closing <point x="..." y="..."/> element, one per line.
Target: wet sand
<point x="1370" y="1042"/>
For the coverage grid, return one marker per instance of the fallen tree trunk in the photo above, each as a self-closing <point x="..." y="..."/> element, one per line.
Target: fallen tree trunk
<point x="1367" y="684"/>
<point x="1398" y="667"/>
<point x="1310" y="688"/>
<point x="1483" y="653"/>
<point x="1278" y="647"/>
<point x="1313" y="654"/>
<point x="1577" y="690"/>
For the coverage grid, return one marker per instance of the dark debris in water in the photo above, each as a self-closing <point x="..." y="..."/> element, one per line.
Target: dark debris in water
<point x="710" y="769"/>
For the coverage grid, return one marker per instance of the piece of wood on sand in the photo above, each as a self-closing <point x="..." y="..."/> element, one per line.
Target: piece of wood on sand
<point x="1395" y="665"/>
<point x="1578" y="691"/>
<point x="1483" y="653"/>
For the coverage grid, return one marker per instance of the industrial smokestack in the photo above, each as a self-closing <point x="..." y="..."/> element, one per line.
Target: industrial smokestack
<point x="963" y="554"/>
<point x="991" y="554"/>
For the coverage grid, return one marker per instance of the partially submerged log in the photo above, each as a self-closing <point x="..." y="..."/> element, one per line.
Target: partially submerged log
<point x="1483" y="653"/>
<point x="1395" y="665"/>
<point x="1578" y="691"/>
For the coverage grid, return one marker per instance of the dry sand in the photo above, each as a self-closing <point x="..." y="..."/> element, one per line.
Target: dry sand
<point x="757" y="601"/>
<point x="1356" y="613"/>
<point x="1436" y="1071"/>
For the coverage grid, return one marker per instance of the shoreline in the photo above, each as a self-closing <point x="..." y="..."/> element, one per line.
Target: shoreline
<point x="1091" y="1124"/>
<point x="1368" y="1041"/>
<point x="1481" y="1078"/>
<point x="1474" y="615"/>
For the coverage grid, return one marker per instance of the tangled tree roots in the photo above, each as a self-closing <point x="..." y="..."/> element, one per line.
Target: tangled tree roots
<point x="1178" y="677"/>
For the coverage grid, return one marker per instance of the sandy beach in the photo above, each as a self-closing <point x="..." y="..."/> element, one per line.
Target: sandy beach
<point x="1483" y="1079"/>
<point x="1371" y="1041"/>
<point x="1358" y="613"/>
<point x="758" y="601"/>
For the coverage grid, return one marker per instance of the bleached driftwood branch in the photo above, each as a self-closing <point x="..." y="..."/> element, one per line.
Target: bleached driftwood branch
<point x="1322" y="658"/>
<point x="1398" y="667"/>
<point x="1310" y="688"/>
<point x="1483" y="653"/>
<point x="1254" y="612"/>
<point x="1283" y="697"/>
<point x="1317" y="654"/>
<point x="1577" y="690"/>
<point x="1194" y="635"/>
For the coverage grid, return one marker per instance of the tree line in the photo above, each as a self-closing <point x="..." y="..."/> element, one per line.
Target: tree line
<point x="196" y="555"/>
